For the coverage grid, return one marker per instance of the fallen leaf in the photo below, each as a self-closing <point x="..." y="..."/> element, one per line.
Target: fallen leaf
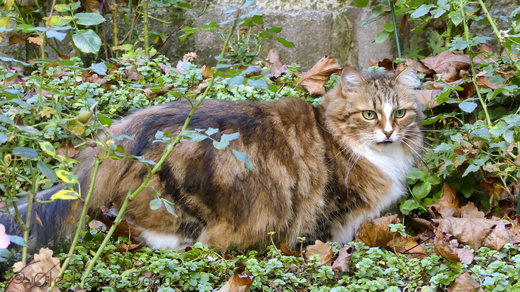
<point x="322" y="250"/>
<point x="485" y="82"/>
<point x="447" y="205"/>
<point x="17" y="38"/>
<point x="342" y="262"/>
<point x="314" y="79"/>
<point x="237" y="283"/>
<point x="407" y="245"/>
<point x="498" y="237"/>
<point x="37" y="275"/>
<point x="207" y="72"/>
<point x="277" y="68"/>
<point x="417" y="66"/>
<point x="36" y="40"/>
<point x="93" y="5"/>
<point x="97" y="225"/>
<point x="286" y="250"/>
<point x="470" y="211"/>
<point x="448" y="247"/>
<point x="67" y="150"/>
<point x="376" y="232"/>
<point x="475" y="231"/>
<point x="428" y="97"/>
<point x="128" y="247"/>
<point x="515" y="232"/>
<point x="447" y="64"/>
<point x="464" y="283"/>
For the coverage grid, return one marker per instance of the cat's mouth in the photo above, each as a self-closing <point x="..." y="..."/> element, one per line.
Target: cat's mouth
<point x="386" y="141"/>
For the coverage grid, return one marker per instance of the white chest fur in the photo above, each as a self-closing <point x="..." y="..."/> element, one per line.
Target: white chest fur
<point x="394" y="163"/>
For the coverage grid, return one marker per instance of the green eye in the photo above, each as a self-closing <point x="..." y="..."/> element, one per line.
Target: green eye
<point x="399" y="113"/>
<point x="369" y="115"/>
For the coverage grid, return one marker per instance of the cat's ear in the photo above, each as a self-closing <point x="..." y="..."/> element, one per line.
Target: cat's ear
<point x="351" y="80"/>
<point x="407" y="78"/>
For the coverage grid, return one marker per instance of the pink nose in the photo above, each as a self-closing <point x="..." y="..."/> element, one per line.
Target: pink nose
<point x="388" y="133"/>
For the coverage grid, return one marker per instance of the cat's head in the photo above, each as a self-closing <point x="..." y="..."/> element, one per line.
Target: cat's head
<point x="376" y="110"/>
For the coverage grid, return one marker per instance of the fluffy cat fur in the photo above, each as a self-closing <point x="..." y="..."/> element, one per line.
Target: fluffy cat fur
<point x="318" y="171"/>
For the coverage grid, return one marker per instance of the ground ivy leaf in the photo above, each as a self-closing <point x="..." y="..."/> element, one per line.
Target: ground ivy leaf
<point x="467" y="106"/>
<point x="89" y="18"/>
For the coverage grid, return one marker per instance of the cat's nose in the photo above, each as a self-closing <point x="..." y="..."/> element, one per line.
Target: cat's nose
<point x="388" y="133"/>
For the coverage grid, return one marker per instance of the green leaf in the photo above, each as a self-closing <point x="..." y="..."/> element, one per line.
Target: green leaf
<point x="235" y="80"/>
<point x="211" y="131"/>
<point x="87" y="41"/>
<point x="17" y="240"/>
<point x="66" y="177"/>
<point x="455" y="17"/>
<point x="6" y="120"/>
<point x="274" y="29"/>
<point x="421" y="11"/>
<point x="99" y="68"/>
<point x="3" y="138"/>
<point x="48" y="148"/>
<point x="360" y="3"/>
<point x="242" y="156"/>
<point x="389" y="26"/>
<point x="471" y="168"/>
<point x="65" y="195"/>
<point x="467" y="106"/>
<point x="285" y="42"/>
<point x="230" y="137"/>
<point x="408" y="206"/>
<point x="421" y="190"/>
<point x="258" y="19"/>
<point x="257" y="83"/>
<point x="60" y="20"/>
<point x="47" y="171"/>
<point x="265" y="35"/>
<point x="381" y="37"/>
<point x="155" y="204"/>
<point x="25" y="152"/>
<point x="60" y="36"/>
<point x="89" y="18"/>
<point x="104" y="120"/>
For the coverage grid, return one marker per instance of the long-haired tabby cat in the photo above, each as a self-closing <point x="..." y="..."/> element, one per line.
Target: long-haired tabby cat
<point x="318" y="171"/>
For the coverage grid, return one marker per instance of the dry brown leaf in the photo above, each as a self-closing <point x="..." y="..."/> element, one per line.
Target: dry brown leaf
<point x="286" y="250"/>
<point x="447" y="64"/>
<point x="237" y="283"/>
<point x="515" y="232"/>
<point x="475" y="232"/>
<point x="485" y="82"/>
<point x="67" y="150"/>
<point x="323" y="251"/>
<point x="417" y="66"/>
<point x="17" y="38"/>
<point x="314" y="79"/>
<point x="498" y="237"/>
<point x="128" y="247"/>
<point x="376" y="232"/>
<point x="447" y="205"/>
<point x="464" y="283"/>
<point x="428" y="97"/>
<point x="207" y="72"/>
<point x="407" y="245"/>
<point x="470" y="211"/>
<point x="342" y="262"/>
<point x="37" y="275"/>
<point x="93" y="5"/>
<point x="277" y="68"/>
<point x="36" y="40"/>
<point x="448" y="247"/>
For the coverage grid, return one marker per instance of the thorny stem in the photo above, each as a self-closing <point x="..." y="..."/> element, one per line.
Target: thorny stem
<point x="472" y="65"/>
<point x="145" y="29"/>
<point x="79" y="227"/>
<point x="497" y="33"/>
<point x="169" y="148"/>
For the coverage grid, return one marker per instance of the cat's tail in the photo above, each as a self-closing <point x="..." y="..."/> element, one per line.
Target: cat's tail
<point x="50" y="223"/>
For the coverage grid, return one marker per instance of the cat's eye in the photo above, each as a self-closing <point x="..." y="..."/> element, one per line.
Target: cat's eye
<point x="369" y="115"/>
<point x="399" y="113"/>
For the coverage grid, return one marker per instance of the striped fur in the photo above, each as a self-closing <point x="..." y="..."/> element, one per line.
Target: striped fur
<point x="318" y="172"/>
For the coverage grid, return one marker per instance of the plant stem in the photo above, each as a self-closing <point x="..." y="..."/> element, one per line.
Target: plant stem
<point x="169" y="148"/>
<point x="396" y="33"/>
<point x="28" y="214"/>
<point x="472" y="65"/>
<point x="145" y="29"/>
<point x="81" y="221"/>
<point x="115" y="25"/>
<point x="497" y="33"/>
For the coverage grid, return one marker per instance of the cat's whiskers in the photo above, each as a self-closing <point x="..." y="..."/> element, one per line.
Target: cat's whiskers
<point x="422" y="147"/>
<point x="411" y="148"/>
